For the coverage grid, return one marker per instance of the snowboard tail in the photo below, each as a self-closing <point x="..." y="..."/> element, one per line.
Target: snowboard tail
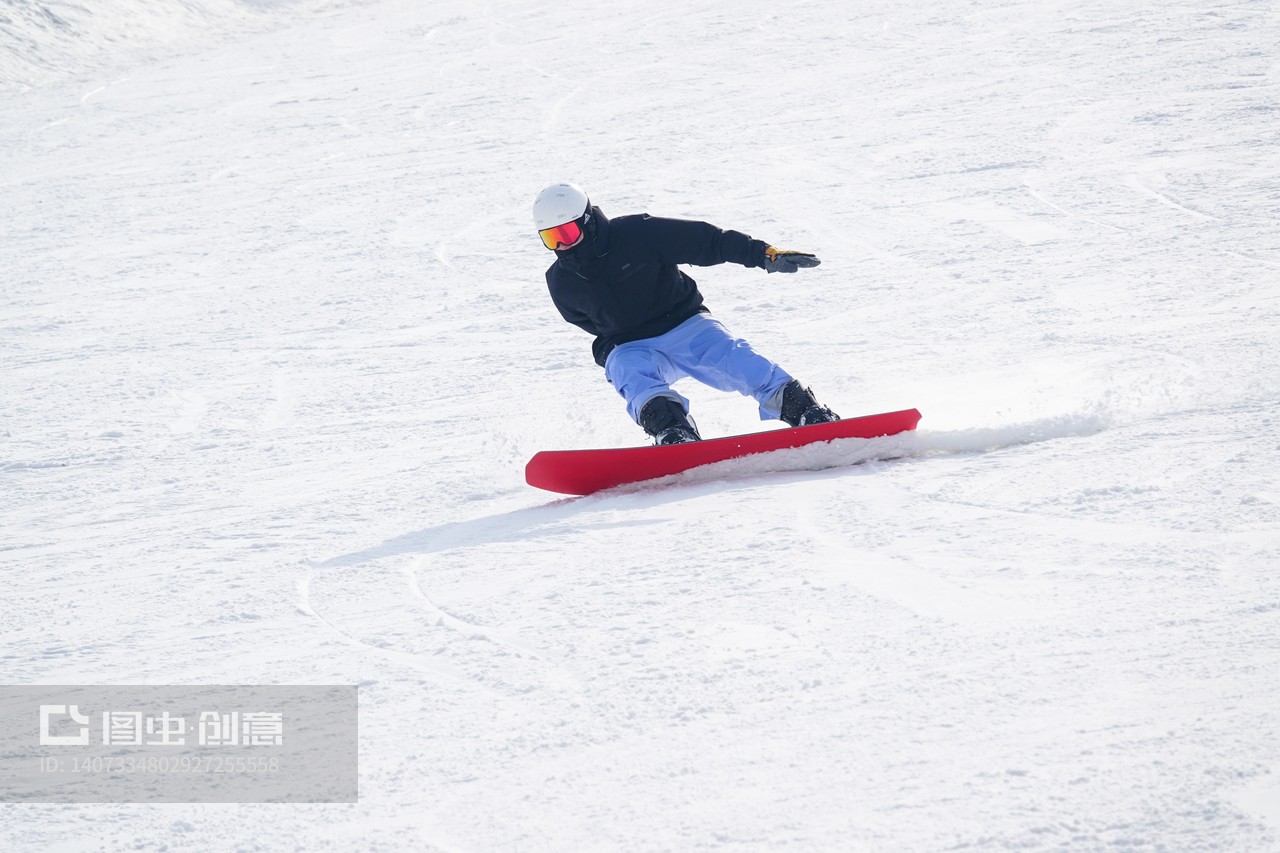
<point x="582" y="472"/>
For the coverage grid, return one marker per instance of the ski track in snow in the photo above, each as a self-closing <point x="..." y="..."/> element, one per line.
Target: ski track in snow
<point x="277" y="345"/>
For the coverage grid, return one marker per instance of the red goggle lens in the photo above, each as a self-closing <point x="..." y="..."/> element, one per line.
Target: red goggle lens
<point x="562" y="236"/>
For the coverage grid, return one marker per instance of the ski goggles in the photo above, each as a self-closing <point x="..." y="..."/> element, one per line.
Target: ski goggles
<point x="562" y="236"/>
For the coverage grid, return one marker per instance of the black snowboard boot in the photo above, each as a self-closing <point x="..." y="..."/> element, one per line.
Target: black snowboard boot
<point x="799" y="408"/>
<point x="666" y="420"/>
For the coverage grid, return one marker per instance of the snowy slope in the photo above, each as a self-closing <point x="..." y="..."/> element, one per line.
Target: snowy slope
<point x="43" y="41"/>
<point x="276" y="347"/>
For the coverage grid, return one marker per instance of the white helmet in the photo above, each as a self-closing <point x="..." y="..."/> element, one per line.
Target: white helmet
<point x="558" y="204"/>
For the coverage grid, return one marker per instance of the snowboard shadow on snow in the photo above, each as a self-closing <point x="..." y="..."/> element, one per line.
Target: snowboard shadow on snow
<point x="565" y="515"/>
<point x="517" y="525"/>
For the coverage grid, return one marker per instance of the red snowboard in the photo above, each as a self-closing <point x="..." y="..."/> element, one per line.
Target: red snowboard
<point x="581" y="472"/>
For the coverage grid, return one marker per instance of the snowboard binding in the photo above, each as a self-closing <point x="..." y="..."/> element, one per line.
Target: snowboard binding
<point x="667" y="421"/>
<point x="800" y="408"/>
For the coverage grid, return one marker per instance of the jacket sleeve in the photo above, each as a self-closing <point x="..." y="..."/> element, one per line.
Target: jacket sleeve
<point x="578" y="319"/>
<point x="686" y="241"/>
<point x="568" y="312"/>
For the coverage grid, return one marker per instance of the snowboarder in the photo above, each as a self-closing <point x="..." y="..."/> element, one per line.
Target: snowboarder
<point x="618" y="280"/>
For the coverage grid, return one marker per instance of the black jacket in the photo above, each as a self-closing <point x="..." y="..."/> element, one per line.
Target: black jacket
<point x="621" y="283"/>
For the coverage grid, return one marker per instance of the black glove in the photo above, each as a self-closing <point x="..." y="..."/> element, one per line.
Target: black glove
<point x="780" y="260"/>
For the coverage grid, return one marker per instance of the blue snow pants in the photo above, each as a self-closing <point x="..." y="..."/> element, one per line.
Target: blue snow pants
<point x="700" y="348"/>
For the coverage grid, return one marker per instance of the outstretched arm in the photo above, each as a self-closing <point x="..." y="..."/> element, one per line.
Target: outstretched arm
<point x="687" y="241"/>
<point x="684" y="241"/>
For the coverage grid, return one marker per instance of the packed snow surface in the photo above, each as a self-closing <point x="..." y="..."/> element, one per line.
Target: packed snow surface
<point x="276" y="346"/>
